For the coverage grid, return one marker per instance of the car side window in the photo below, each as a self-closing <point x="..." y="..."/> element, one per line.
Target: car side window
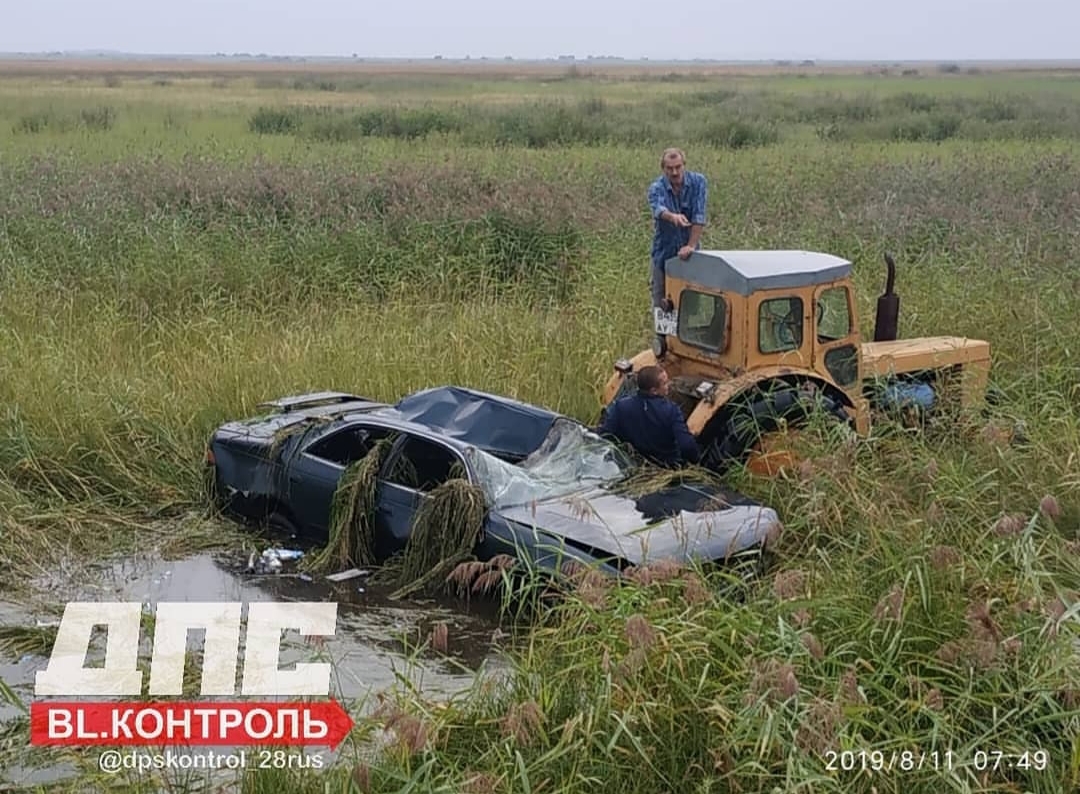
<point x="424" y="465"/>
<point x="349" y="445"/>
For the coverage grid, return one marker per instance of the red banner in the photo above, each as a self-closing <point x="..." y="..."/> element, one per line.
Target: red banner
<point x="209" y="723"/>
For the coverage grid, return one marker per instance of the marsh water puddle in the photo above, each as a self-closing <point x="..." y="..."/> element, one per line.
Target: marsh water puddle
<point x="377" y="638"/>
<point x="378" y="643"/>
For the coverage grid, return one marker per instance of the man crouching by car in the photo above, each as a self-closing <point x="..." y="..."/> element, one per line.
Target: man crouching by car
<point x="651" y="423"/>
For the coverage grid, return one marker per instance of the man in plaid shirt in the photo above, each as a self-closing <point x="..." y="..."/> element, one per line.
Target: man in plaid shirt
<point x="677" y="201"/>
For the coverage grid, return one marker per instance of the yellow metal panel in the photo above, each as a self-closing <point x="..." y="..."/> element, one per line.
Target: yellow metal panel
<point x="645" y="358"/>
<point x="912" y="355"/>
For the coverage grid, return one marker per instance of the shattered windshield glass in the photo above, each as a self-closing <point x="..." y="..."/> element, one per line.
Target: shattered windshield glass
<point x="570" y="459"/>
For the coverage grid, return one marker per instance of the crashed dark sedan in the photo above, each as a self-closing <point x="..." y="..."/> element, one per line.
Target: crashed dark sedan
<point x="551" y="485"/>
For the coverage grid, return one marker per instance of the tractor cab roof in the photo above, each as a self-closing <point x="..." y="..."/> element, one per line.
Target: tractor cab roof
<point x="745" y="272"/>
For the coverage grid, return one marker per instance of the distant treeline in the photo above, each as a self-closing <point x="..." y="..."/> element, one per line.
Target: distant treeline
<point x="721" y="118"/>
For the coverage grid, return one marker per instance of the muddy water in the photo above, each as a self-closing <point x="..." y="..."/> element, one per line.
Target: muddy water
<point x="375" y="635"/>
<point x="377" y="639"/>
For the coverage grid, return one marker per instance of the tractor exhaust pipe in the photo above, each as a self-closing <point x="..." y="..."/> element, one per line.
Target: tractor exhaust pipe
<point x="887" y="321"/>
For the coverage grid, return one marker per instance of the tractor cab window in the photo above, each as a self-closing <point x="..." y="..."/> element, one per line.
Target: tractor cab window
<point x="702" y="319"/>
<point x="833" y="315"/>
<point x="780" y="325"/>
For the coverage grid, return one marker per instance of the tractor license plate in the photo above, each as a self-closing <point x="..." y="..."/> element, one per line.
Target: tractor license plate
<point x="665" y="322"/>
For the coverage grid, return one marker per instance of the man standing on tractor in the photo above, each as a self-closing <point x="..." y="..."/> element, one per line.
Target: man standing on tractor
<point x="677" y="201"/>
<point x="651" y="423"/>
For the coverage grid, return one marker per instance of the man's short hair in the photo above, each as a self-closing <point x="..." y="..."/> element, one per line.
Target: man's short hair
<point x="648" y="378"/>
<point x="668" y="153"/>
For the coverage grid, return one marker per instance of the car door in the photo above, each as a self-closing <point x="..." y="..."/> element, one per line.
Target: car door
<point x="316" y="470"/>
<point x="416" y="466"/>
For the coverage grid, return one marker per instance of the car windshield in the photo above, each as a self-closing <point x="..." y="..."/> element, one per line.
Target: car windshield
<point x="571" y="459"/>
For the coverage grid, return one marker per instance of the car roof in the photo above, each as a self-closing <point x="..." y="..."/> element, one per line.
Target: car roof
<point x="469" y="417"/>
<point x="459" y="416"/>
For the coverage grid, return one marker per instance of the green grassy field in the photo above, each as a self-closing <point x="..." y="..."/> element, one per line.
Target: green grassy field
<point x="175" y="248"/>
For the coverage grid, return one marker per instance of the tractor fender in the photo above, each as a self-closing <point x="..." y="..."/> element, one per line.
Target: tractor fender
<point x="646" y="358"/>
<point x="760" y="380"/>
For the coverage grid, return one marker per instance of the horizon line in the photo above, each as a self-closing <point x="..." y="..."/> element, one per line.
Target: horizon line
<point x="793" y="60"/>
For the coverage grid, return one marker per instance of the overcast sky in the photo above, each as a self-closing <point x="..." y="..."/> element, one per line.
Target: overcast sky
<point x="721" y="29"/>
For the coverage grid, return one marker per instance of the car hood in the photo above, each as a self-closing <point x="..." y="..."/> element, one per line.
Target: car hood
<point x="682" y="523"/>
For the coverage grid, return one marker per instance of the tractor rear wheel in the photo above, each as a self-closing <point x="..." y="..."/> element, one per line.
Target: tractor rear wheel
<point x="764" y="429"/>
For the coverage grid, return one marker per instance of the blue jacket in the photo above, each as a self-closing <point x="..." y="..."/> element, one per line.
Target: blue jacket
<point x="654" y="426"/>
<point x="692" y="202"/>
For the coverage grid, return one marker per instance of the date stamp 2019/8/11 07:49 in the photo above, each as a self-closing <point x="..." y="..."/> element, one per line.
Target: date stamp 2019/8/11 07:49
<point x="908" y="760"/>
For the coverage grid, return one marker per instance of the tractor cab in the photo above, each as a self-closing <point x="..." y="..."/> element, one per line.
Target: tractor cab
<point x="730" y="312"/>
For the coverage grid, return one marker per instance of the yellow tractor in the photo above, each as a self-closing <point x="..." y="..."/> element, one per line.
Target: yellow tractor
<point x="757" y="342"/>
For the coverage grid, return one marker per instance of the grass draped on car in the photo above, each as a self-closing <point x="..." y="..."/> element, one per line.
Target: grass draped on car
<point x="351" y="539"/>
<point x="444" y="533"/>
<point x="648" y="478"/>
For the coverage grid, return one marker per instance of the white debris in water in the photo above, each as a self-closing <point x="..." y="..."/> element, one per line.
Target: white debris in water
<point x="352" y="573"/>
